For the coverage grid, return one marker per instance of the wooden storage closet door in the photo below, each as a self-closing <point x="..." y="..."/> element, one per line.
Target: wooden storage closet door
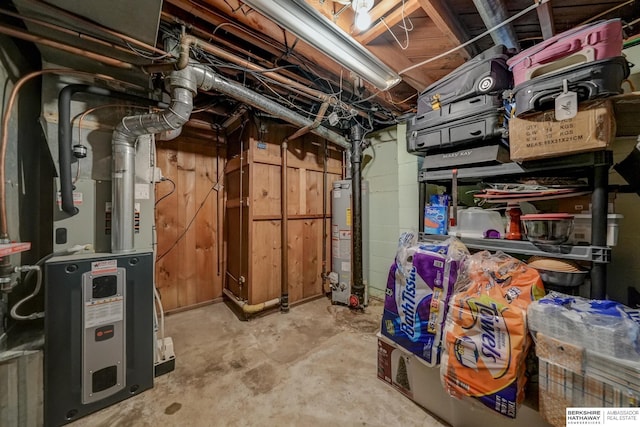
<point x="189" y="270"/>
<point x="261" y="247"/>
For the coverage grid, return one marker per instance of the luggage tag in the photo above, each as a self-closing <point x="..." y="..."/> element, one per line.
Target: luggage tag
<point x="566" y="103"/>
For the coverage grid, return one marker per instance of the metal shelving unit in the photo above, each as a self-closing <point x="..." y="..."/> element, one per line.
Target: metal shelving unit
<point x="523" y="247"/>
<point x="594" y="165"/>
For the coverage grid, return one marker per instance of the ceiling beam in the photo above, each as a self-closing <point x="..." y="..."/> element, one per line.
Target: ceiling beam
<point x="417" y="79"/>
<point x="448" y="23"/>
<point x="545" y="16"/>
<point x="390" y="20"/>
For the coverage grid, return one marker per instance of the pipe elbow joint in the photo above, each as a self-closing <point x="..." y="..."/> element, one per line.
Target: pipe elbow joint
<point x="184" y="79"/>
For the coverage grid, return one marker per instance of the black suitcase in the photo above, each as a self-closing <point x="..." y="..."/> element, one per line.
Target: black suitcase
<point x="485" y="73"/>
<point x="423" y="139"/>
<point x="458" y="110"/>
<point x="590" y="80"/>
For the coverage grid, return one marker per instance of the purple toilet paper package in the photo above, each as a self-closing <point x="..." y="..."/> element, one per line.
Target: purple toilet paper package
<point x="419" y="286"/>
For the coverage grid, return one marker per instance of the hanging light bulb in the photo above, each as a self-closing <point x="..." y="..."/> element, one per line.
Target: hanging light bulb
<point x="362" y="8"/>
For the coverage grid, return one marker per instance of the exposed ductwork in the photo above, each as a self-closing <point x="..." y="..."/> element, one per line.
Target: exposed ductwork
<point x="207" y="80"/>
<point x="494" y="13"/>
<point x="183" y="85"/>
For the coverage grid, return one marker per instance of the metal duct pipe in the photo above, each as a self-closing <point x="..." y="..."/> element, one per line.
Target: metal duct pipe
<point x="65" y="139"/>
<point x="183" y="87"/>
<point x="356" y="242"/>
<point x="208" y="79"/>
<point x="494" y="12"/>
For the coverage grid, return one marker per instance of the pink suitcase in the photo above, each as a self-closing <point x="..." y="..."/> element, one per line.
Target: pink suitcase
<point x="587" y="43"/>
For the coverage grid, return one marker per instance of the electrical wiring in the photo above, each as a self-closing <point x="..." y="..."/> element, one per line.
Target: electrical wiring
<point x="403" y="26"/>
<point x="99" y="107"/>
<point x="475" y="39"/>
<point x="391" y="101"/>
<point x="145" y="55"/>
<point x="89" y="111"/>
<point x="188" y="227"/>
<point x="268" y="88"/>
<point x="212" y="60"/>
<point x="169" y="193"/>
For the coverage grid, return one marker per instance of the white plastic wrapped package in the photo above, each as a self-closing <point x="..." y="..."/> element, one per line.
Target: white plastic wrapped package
<point x="602" y="326"/>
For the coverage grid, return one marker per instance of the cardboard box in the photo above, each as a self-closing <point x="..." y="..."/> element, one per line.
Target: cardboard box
<point x="562" y="388"/>
<point x="408" y="374"/>
<point x="582" y="204"/>
<point x="540" y="135"/>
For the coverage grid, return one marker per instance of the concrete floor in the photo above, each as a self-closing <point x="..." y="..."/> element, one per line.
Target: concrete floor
<point x="315" y="366"/>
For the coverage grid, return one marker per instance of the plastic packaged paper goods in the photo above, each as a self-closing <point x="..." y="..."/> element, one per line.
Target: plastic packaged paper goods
<point x="420" y="283"/>
<point x="486" y="340"/>
<point x="605" y="327"/>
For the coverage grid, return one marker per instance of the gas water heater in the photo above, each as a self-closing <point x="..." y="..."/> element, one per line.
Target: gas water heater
<point x="341" y="238"/>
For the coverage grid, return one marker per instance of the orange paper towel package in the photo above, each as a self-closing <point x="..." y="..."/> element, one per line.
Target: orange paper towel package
<point x="486" y="339"/>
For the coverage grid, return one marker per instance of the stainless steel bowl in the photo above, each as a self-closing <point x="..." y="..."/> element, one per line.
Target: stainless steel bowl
<point x="563" y="279"/>
<point x="553" y="231"/>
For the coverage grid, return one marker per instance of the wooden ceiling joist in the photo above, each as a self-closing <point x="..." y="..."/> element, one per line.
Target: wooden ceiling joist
<point x="449" y="24"/>
<point x="390" y="20"/>
<point x="545" y="16"/>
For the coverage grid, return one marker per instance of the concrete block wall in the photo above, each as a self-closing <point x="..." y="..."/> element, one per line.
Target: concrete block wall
<point x="393" y="200"/>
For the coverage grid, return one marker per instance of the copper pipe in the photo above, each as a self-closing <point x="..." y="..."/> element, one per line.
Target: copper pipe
<point x="167" y="17"/>
<point x="186" y="41"/>
<point x="292" y="84"/>
<point x="97" y="27"/>
<point x="66" y="31"/>
<point x="204" y="35"/>
<point x="4" y="229"/>
<point x="13" y="32"/>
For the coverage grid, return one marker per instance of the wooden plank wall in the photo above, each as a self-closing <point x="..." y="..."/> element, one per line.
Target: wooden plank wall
<point x="190" y="268"/>
<point x="305" y="158"/>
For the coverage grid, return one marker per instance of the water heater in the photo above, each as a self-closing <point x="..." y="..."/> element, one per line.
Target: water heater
<point x="341" y="238"/>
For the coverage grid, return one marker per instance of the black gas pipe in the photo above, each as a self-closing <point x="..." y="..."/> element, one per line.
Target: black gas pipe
<point x="356" y="242"/>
